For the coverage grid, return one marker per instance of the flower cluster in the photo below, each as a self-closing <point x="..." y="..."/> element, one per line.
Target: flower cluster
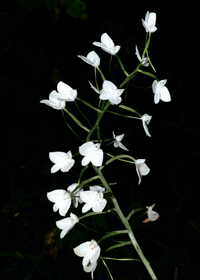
<point x="94" y="198"/>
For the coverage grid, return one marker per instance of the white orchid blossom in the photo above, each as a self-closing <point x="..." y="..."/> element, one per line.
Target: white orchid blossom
<point x="145" y="59"/>
<point x="67" y="224"/>
<point x="76" y="195"/>
<point x="141" y="168"/>
<point x="92" y="58"/>
<point x="54" y="102"/>
<point x="90" y="251"/>
<point x="62" y="200"/>
<point x="146" y="120"/>
<point x="149" y="22"/>
<point x="110" y="92"/>
<point x="161" y="91"/>
<point x="65" y="92"/>
<point x="152" y="215"/>
<point x="92" y="153"/>
<point x="63" y="161"/>
<point x="93" y="199"/>
<point x="107" y="44"/>
<point x="118" y="140"/>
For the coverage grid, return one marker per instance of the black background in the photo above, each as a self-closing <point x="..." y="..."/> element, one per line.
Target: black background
<point x="36" y="53"/>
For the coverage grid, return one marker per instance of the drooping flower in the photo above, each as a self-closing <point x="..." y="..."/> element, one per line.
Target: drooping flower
<point x="92" y="153"/>
<point x="76" y="195"/>
<point x="145" y="59"/>
<point x="149" y="22"/>
<point x="107" y="44"/>
<point x="93" y="199"/>
<point x="141" y="168"/>
<point x="63" y="161"/>
<point x="146" y="120"/>
<point x="67" y="224"/>
<point x="118" y="140"/>
<point x="160" y="91"/>
<point x="62" y="200"/>
<point x="90" y="251"/>
<point x="54" y="102"/>
<point x="92" y="58"/>
<point x="152" y="215"/>
<point x="110" y="92"/>
<point x="65" y="92"/>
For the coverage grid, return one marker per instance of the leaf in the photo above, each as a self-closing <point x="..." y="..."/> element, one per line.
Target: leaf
<point x="75" y="8"/>
<point x="118" y="245"/>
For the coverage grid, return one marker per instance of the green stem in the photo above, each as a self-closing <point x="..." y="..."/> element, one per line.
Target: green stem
<point x="126" y="224"/>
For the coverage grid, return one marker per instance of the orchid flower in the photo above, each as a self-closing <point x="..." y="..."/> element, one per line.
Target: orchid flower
<point x="149" y="22"/>
<point x="152" y="215"/>
<point x="92" y="58"/>
<point x="67" y="224"/>
<point x="146" y="120"/>
<point x="90" y="251"/>
<point x="110" y="92"/>
<point x="54" y="102"/>
<point x="118" y="140"/>
<point x="160" y="91"/>
<point x="62" y="200"/>
<point x="65" y="92"/>
<point x="107" y="44"/>
<point x="76" y="195"/>
<point x="141" y="168"/>
<point x="92" y="153"/>
<point x="145" y="59"/>
<point x="62" y="161"/>
<point x="93" y="199"/>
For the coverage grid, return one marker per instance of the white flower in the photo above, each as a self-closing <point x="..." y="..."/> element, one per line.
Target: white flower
<point x="149" y="22"/>
<point x="92" y="153"/>
<point x="76" y="195"/>
<point x="62" y="200"/>
<point x="65" y="92"/>
<point x="107" y="44"/>
<point x="145" y="59"/>
<point x="110" y="92"/>
<point x="54" y="102"/>
<point x="160" y="91"/>
<point x="118" y="140"/>
<point x="93" y="199"/>
<point x="67" y="224"/>
<point x="62" y="161"/>
<point x="152" y="215"/>
<point x="92" y="58"/>
<point x="90" y="251"/>
<point x="141" y="168"/>
<point x="146" y="120"/>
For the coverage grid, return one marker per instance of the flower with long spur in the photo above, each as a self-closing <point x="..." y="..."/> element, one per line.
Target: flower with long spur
<point x="161" y="91"/>
<point x="65" y="92"/>
<point x="62" y="161"/>
<point x="67" y="224"/>
<point x="146" y="120"/>
<point x="144" y="60"/>
<point x="93" y="199"/>
<point x="110" y="92"/>
<point x="118" y="139"/>
<point x="152" y="215"/>
<point x="62" y="200"/>
<point x="92" y="58"/>
<point x="107" y="44"/>
<point x="92" y="153"/>
<point x="149" y="22"/>
<point x="54" y="102"/>
<point x="90" y="251"/>
<point x="141" y="168"/>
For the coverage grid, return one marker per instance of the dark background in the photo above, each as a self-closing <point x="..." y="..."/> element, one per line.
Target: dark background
<point x="39" y="48"/>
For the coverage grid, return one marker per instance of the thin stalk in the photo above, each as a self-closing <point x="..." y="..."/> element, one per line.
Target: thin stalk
<point x="126" y="224"/>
